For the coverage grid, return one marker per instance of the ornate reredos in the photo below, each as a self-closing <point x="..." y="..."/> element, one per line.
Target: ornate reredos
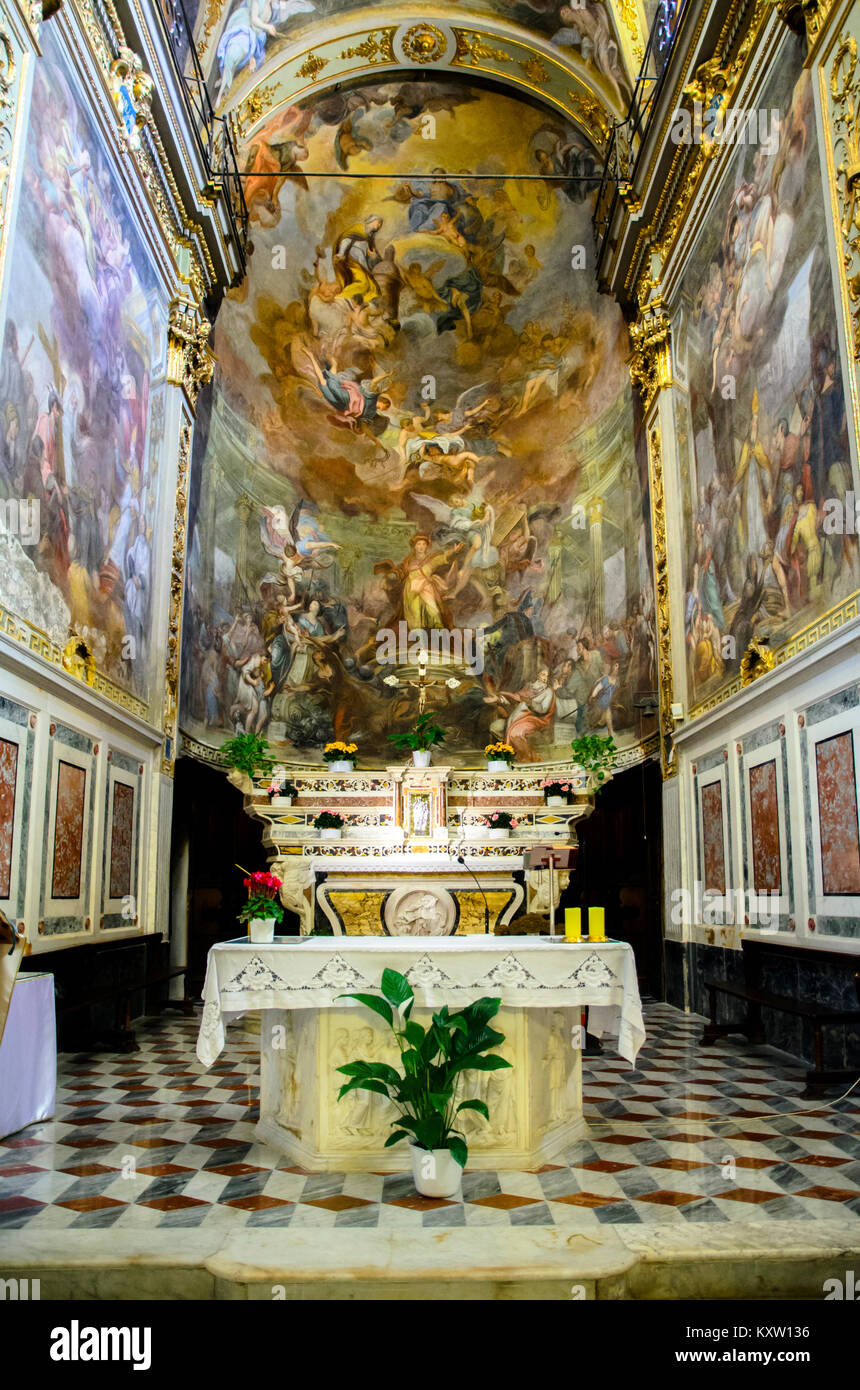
<point x="481" y="328"/>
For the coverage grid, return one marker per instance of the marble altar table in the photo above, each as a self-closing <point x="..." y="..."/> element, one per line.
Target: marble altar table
<point x="306" y="1032"/>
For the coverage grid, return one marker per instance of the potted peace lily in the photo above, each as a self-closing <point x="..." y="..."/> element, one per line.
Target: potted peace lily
<point x="329" y="824"/>
<point x="245" y="755"/>
<point x="425" y="1089"/>
<point x="556" y="791"/>
<point x="499" y="756"/>
<point x="499" y="824"/>
<point x="422" y="738"/>
<point x="595" y="755"/>
<point x="340" y="756"/>
<point x="262" y="911"/>
<point x="281" y="790"/>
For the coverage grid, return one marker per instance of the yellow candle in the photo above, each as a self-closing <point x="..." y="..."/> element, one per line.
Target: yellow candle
<point x="573" y="924"/>
<point x="597" y="924"/>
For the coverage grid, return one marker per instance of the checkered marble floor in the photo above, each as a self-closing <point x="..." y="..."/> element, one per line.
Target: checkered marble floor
<point x="715" y="1134"/>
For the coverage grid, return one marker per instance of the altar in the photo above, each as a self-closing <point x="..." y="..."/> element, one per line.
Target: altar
<point x="307" y="1031"/>
<point x="416" y="856"/>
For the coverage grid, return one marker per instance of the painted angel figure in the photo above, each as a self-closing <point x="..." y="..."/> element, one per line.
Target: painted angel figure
<point x="473" y="522"/>
<point x="243" y="41"/>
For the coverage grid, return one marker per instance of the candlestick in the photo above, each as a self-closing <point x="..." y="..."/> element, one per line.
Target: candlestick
<point x="573" y="924"/>
<point x="597" y="924"/>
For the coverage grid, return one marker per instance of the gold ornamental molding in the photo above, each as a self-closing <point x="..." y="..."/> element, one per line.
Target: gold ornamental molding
<point x="829" y="622"/>
<point x="190" y="359"/>
<point x="170" y="709"/>
<point x="757" y="660"/>
<point x="816" y="14"/>
<point x="668" y="759"/>
<point x="497" y="50"/>
<point x="845" y="120"/>
<point x="35" y="640"/>
<point x="650" y="364"/>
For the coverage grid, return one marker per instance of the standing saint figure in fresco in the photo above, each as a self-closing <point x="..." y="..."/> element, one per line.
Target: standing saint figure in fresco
<point x="424" y="595"/>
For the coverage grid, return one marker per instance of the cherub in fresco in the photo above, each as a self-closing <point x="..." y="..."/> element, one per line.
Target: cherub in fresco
<point x="469" y="521"/>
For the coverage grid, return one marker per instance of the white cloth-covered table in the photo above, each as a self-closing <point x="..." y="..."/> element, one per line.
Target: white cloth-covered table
<point x="28" y="1054"/>
<point x="522" y="971"/>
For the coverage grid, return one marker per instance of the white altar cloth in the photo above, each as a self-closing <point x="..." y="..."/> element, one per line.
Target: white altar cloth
<point x="309" y="972"/>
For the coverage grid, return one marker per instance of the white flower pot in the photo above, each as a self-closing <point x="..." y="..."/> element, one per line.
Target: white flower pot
<point x="421" y="757"/>
<point x="333" y="834"/>
<point x="498" y="765"/>
<point x="344" y="765"/>
<point x="277" y="801"/>
<point x="436" y="1173"/>
<point x="261" y="929"/>
<point x="499" y="834"/>
<point x="556" y="801"/>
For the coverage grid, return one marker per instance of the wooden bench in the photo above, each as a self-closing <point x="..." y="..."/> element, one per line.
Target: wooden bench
<point x="122" y="1037"/>
<point x="756" y="998"/>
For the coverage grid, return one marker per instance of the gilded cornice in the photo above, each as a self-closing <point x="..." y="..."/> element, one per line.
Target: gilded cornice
<point x="170" y="711"/>
<point x="190" y="359"/>
<point x="845" y="124"/>
<point x="816" y="14"/>
<point x="343" y="51"/>
<point x="666" y="695"/>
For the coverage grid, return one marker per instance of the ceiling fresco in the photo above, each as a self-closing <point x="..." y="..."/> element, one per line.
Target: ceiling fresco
<point x="421" y="422"/>
<point x="245" y="35"/>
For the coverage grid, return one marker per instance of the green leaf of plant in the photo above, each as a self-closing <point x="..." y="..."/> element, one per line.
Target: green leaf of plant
<point x="372" y="1001"/>
<point x="396" y="988"/>
<point x="414" y="1033"/>
<point x="474" y="1105"/>
<point x="458" y="1149"/>
<point x="440" y="1101"/>
<point x="395" y="1138"/>
<point x="476" y="1062"/>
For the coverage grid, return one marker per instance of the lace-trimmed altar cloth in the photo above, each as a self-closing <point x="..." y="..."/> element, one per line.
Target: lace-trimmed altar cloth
<point x="523" y="972"/>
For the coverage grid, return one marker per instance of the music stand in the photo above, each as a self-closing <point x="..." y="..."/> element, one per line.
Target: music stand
<point x="551" y="857"/>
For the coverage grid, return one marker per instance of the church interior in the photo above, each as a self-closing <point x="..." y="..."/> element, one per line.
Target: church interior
<point x="429" y="681"/>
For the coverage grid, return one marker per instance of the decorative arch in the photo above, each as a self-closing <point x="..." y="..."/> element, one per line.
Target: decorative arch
<point x="372" y="43"/>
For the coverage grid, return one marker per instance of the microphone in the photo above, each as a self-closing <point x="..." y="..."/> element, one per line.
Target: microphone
<point x="461" y="859"/>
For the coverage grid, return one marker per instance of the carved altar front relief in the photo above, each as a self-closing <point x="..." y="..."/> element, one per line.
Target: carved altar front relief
<point x="535" y="1107"/>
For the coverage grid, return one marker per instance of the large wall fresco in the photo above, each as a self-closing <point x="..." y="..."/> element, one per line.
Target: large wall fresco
<point x="764" y="431"/>
<point x="83" y="327"/>
<point x="251" y="32"/>
<point x="421" y="415"/>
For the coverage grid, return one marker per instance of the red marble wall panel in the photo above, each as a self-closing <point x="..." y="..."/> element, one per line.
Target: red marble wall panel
<point x="764" y="817"/>
<point x="8" y="786"/>
<point x="837" y="814"/>
<point x="69" y="831"/>
<point x="713" y="849"/>
<point x="121" y="840"/>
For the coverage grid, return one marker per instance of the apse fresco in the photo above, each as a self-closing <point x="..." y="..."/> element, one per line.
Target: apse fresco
<point x="252" y="31"/>
<point x="421" y="422"/>
<point x="764" y="437"/>
<point x="81" y="340"/>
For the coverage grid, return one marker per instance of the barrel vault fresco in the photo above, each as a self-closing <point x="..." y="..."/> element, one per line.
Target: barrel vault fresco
<point x="249" y="33"/>
<point x="421" y="420"/>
